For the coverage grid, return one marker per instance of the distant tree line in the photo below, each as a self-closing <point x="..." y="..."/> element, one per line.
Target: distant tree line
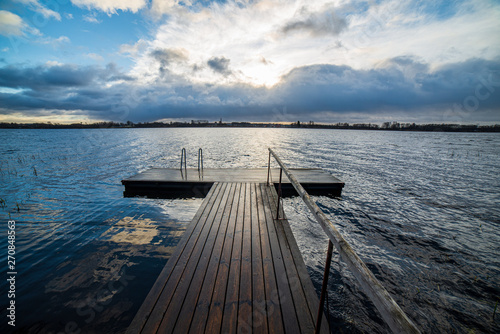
<point x="392" y="126"/>
<point x="395" y="126"/>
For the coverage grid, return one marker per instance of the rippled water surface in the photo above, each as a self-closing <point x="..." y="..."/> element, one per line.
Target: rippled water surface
<point x="421" y="209"/>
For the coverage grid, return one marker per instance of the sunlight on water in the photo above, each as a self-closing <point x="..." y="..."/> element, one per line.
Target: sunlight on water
<point x="421" y="209"/>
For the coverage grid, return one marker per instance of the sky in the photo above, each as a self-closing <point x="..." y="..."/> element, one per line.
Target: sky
<point x="69" y="61"/>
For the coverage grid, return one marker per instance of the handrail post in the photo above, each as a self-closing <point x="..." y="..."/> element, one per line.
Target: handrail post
<point x="268" y="167"/>
<point x="279" y="196"/>
<point x="324" y="287"/>
<point x="183" y="157"/>
<point x="200" y="158"/>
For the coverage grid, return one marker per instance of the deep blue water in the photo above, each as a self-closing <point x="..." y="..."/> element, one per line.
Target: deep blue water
<point x="421" y="209"/>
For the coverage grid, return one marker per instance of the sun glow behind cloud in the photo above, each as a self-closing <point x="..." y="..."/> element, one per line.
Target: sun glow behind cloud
<point x="262" y="40"/>
<point x="265" y="40"/>
<point x="243" y="35"/>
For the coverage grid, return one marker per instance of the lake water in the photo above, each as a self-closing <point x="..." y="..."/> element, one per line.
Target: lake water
<point x="421" y="209"/>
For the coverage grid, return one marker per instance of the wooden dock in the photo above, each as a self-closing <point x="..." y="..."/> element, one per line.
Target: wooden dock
<point x="175" y="183"/>
<point x="236" y="269"/>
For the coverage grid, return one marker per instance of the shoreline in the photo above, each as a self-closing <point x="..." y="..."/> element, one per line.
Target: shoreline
<point x="394" y="126"/>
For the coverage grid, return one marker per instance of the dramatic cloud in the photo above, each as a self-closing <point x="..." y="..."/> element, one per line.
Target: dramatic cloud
<point x="401" y="85"/>
<point x="299" y="33"/>
<point x="396" y="86"/>
<point x="323" y="60"/>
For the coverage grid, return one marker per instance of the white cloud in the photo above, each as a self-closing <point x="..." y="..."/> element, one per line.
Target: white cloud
<point x="91" y="18"/>
<point x="69" y="16"/>
<point x="396" y="28"/>
<point x="54" y="41"/>
<point x="11" y="24"/>
<point x="111" y="6"/>
<point x="135" y="49"/>
<point x="160" y="7"/>
<point x="95" y="56"/>
<point x="39" y="8"/>
<point x="7" y="90"/>
<point x="52" y="63"/>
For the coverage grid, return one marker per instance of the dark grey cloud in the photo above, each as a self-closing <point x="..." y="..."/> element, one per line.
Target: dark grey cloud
<point x="320" y="92"/>
<point x="327" y="22"/>
<point x="46" y="77"/>
<point x="165" y="57"/>
<point x="219" y="65"/>
<point x="111" y="73"/>
<point x="403" y="84"/>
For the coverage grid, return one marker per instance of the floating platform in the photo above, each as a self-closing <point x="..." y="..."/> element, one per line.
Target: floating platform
<point x="237" y="269"/>
<point x="177" y="183"/>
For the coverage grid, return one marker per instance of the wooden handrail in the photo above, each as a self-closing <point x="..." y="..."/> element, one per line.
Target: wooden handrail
<point x="388" y="308"/>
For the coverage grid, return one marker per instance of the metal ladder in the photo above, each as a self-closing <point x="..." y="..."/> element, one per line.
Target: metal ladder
<point x="184" y="160"/>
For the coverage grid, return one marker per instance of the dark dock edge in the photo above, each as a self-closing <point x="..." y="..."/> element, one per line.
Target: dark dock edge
<point x="175" y="183"/>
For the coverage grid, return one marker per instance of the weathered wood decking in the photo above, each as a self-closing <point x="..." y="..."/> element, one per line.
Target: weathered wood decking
<point x="237" y="269"/>
<point x="174" y="183"/>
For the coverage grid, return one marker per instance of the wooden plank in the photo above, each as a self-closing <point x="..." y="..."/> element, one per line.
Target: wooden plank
<point x="180" y="271"/>
<point x="306" y="320"/>
<point x="214" y="280"/>
<point x="274" y="315"/>
<point x="259" y="321"/>
<point x="153" y="295"/>
<point x="231" y="304"/>
<point x="288" y="308"/>
<point x="290" y="276"/>
<point x="298" y="263"/>
<point x="244" y="323"/>
<point x="187" y="291"/>
<point x="224" y="284"/>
